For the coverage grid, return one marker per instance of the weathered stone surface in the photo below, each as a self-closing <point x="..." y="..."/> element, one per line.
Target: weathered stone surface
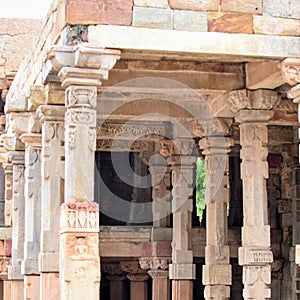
<point x="230" y="22"/>
<point x="152" y="17"/>
<point x="151" y="3"/>
<point x="250" y="6"/>
<point x="12" y="26"/>
<point x="99" y="12"/>
<point x="243" y="47"/>
<point x="282" y="8"/>
<point x="276" y="26"/>
<point x="190" y="20"/>
<point x="195" y="4"/>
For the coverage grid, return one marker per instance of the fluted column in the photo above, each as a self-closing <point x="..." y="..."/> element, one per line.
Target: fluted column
<point x="182" y="271"/>
<point x="52" y="172"/>
<point x="29" y="266"/>
<point x="253" y="113"/>
<point x="217" y="269"/>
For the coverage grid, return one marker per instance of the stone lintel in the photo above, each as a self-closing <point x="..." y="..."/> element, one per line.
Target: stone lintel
<point x="30" y="267"/>
<point x="51" y="113"/>
<point x="255" y="256"/>
<point x="217" y="274"/>
<point x="182" y="271"/>
<point x="49" y="262"/>
<point x="263" y="75"/>
<point x="290" y="70"/>
<point x="211" y="44"/>
<point x="14" y="273"/>
<point x="157" y="248"/>
<point x="253" y="116"/>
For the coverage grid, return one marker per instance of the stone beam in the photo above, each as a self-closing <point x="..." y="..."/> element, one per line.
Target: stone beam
<point x="263" y="75"/>
<point x="194" y="44"/>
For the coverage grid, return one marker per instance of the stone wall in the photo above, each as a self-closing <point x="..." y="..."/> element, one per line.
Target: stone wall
<point x="232" y="16"/>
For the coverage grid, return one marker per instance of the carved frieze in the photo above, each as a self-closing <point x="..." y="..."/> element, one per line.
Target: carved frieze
<point x="290" y="70"/>
<point x="79" y="216"/>
<point x="257" y="100"/>
<point x="123" y="145"/>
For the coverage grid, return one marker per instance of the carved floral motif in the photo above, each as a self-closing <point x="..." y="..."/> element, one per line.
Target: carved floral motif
<point x="155" y="263"/>
<point x="176" y="147"/>
<point x="81" y="96"/>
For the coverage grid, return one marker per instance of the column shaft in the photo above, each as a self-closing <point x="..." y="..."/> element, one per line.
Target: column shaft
<point x="160" y="284"/>
<point x="217" y="269"/>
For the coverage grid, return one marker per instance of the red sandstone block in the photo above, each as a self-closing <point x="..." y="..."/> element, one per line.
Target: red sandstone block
<point x="115" y="12"/>
<point x="7" y="247"/>
<point x="230" y="22"/>
<point x="157" y="249"/>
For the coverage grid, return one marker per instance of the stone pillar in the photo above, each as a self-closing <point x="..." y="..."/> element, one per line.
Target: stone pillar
<point x="52" y="157"/>
<point x="79" y="242"/>
<point x="138" y="286"/>
<point x="253" y="113"/>
<point x="160" y="276"/>
<point x="8" y="193"/>
<point x="138" y="280"/>
<point x="79" y="233"/>
<point x="161" y="194"/>
<point x="217" y="276"/>
<point x="182" y="271"/>
<point x="18" y="231"/>
<point x="29" y="266"/>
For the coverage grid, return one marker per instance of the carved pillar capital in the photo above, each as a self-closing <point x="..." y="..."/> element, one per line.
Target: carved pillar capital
<point x="32" y="139"/>
<point x="253" y="100"/>
<point x="155" y="263"/>
<point x="176" y="147"/>
<point x="212" y="127"/>
<point x="290" y="70"/>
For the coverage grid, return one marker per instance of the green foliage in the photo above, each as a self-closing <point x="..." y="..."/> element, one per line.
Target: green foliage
<point x="200" y="187"/>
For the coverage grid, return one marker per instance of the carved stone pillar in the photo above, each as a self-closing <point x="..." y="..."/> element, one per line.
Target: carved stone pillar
<point x="7" y="167"/>
<point x="138" y="280"/>
<point x="160" y="276"/>
<point x="52" y="171"/>
<point x="217" y="269"/>
<point x="290" y="68"/>
<point x="254" y="112"/>
<point x="18" y="230"/>
<point x="161" y="195"/>
<point x="182" y="271"/>
<point x="29" y="266"/>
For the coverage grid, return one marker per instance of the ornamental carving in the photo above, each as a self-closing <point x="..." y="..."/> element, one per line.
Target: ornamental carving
<point x="81" y="96"/>
<point x="290" y="70"/>
<point x="155" y="263"/>
<point x="4" y="263"/>
<point x="92" y="139"/>
<point x="71" y="134"/>
<point x="80" y="116"/>
<point x="257" y="100"/>
<point x="176" y="147"/>
<point x="80" y="216"/>
<point x="216" y="126"/>
<point x="122" y="145"/>
<point x="130" y="130"/>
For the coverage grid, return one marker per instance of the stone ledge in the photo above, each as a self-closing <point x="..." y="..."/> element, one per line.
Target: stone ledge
<point x="211" y="44"/>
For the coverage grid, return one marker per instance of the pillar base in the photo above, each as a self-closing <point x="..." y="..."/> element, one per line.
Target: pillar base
<point x="182" y="290"/>
<point x="49" y="282"/>
<point x="32" y="287"/>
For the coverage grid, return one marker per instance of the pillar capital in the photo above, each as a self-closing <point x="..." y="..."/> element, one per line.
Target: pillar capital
<point x="212" y="127"/>
<point x="253" y="100"/>
<point x="32" y="139"/>
<point x="290" y="70"/>
<point x="81" y="64"/>
<point x="154" y="263"/>
<point x="175" y="147"/>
